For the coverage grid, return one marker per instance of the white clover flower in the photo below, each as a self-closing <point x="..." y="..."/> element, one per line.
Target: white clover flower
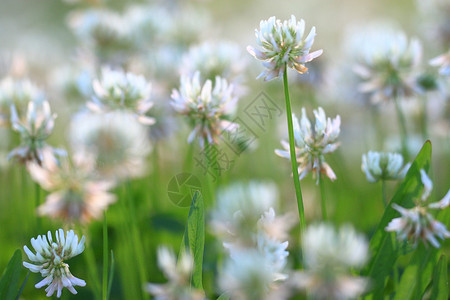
<point x="207" y="107"/>
<point x="105" y="30"/>
<point x="280" y="44"/>
<point x="34" y="129"/>
<point x="212" y="59"/>
<point x="116" y="140"/>
<point x="178" y="274"/>
<point x="249" y="274"/>
<point x="443" y="62"/>
<point x="18" y="93"/>
<point x="386" y="63"/>
<point x="311" y="145"/>
<point x="328" y="257"/>
<point x="240" y="207"/>
<point x="384" y="166"/>
<point x="417" y="223"/>
<point x="74" y="193"/>
<point x="117" y="90"/>
<point x="50" y="258"/>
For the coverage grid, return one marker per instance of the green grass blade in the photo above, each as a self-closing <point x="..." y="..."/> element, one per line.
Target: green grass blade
<point x="111" y="274"/>
<point x="9" y="283"/>
<point x="439" y="288"/>
<point x="22" y="287"/>
<point x="195" y="237"/>
<point x="383" y="245"/>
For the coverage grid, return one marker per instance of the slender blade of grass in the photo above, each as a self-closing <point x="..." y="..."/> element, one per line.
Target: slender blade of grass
<point x="9" y="282"/>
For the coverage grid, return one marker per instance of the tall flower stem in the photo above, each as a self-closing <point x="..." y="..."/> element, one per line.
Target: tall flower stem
<point x="323" y="198"/>
<point x="135" y="237"/>
<point x="92" y="268"/>
<point x="105" y="258"/>
<point x="402" y="126"/>
<point x="298" y="190"/>
<point x="383" y="192"/>
<point x="37" y="197"/>
<point x="424" y="119"/>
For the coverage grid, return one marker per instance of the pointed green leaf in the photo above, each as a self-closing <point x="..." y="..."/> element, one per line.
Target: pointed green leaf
<point x="383" y="246"/>
<point x="224" y="297"/>
<point x="194" y="237"/>
<point x="9" y="283"/>
<point x="439" y="289"/>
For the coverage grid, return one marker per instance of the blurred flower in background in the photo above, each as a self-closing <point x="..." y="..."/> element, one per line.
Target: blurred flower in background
<point x="311" y="145"/>
<point x="116" y="141"/>
<point x="179" y="275"/>
<point x="329" y="255"/>
<point x="117" y="90"/>
<point x="256" y="241"/>
<point x="49" y="261"/>
<point x="34" y="129"/>
<point x="386" y="62"/>
<point x="75" y="194"/>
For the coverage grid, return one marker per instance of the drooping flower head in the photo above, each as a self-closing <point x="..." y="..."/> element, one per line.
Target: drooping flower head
<point x="116" y="141"/>
<point x="117" y="90"/>
<point x="34" y="129"/>
<point x="75" y="195"/>
<point x="417" y="223"/>
<point x="386" y="63"/>
<point x="178" y="274"/>
<point x="283" y="43"/>
<point x="329" y="255"/>
<point x="384" y="166"/>
<point x="311" y="145"/>
<point x="49" y="260"/>
<point x="208" y="107"/>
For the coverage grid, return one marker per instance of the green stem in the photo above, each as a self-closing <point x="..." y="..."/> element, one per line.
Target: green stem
<point x="189" y="159"/>
<point x="105" y="258"/>
<point x="37" y="197"/>
<point x="383" y="192"/>
<point x="92" y="269"/>
<point x="424" y="117"/>
<point x="136" y="239"/>
<point x="298" y="191"/>
<point x="402" y="126"/>
<point x="323" y="198"/>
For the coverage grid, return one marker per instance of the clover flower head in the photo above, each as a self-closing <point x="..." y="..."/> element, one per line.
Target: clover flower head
<point x="386" y="64"/>
<point x="249" y="274"/>
<point x="443" y="62"/>
<point x="178" y="274"/>
<point x="239" y="209"/>
<point x="75" y="194"/>
<point x="208" y="107"/>
<point x="329" y="255"/>
<point x="104" y="30"/>
<point x="117" y="90"/>
<point x="311" y="144"/>
<point x="34" y="129"/>
<point x="281" y="44"/>
<point x="49" y="260"/>
<point x="212" y="59"/>
<point x="18" y="93"/>
<point x="116" y="140"/>
<point x="417" y="223"/>
<point x="384" y="166"/>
